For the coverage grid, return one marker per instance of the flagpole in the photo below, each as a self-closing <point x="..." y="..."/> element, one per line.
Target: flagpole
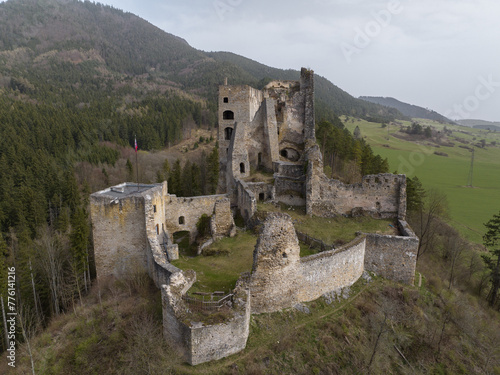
<point x="136" y="164"/>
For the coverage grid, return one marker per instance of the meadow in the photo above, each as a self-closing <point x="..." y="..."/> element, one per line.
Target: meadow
<point x="469" y="207"/>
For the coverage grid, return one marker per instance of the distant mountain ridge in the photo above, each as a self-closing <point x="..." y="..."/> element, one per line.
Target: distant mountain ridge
<point x="480" y="124"/>
<point x="406" y="109"/>
<point x="92" y="42"/>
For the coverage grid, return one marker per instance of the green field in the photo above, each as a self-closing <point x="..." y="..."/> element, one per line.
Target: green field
<point x="469" y="207"/>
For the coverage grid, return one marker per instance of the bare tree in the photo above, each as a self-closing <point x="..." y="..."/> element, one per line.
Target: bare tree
<point x="28" y="322"/>
<point x="454" y="246"/>
<point x="426" y="220"/>
<point x="52" y="256"/>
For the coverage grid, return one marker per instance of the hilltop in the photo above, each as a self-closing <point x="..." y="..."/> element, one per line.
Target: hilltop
<point x="480" y="124"/>
<point x="409" y="110"/>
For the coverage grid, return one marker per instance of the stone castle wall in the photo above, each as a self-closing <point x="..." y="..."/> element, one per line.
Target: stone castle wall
<point x="119" y="235"/>
<point x="290" y="191"/>
<point x="183" y="213"/>
<point x="247" y="204"/>
<point x="130" y="227"/>
<point x="261" y="190"/>
<point x="381" y="196"/>
<point x="280" y="278"/>
<point x="198" y="342"/>
<point x="393" y="257"/>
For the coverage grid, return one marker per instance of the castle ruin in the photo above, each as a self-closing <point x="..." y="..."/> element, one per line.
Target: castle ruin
<point x="270" y="130"/>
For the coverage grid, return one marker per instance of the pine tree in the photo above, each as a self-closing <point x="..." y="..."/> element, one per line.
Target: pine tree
<point x="213" y="170"/>
<point x="492" y="241"/>
<point x="130" y="170"/>
<point x="415" y="194"/>
<point x="357" y="133"/>
<point x="174" y="180"/>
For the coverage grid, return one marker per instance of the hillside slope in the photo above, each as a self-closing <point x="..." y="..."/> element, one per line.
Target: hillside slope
<point x="86" y="41"/>
<point x="480" y="124"/>
<point x="409" y="110"/>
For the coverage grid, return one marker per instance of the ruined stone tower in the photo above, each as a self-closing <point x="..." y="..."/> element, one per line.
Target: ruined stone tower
<point x="261" y="129"/>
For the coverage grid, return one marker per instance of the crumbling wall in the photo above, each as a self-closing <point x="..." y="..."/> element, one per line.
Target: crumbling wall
<point x="182" y="214"/>
<point x="289" y="190"/>
<point x="271" y="151"/>
<point x="261" y="190"/>
<point x="393" y="257"/>
<point x="307" y="87"/>
<point x="159" y="268"/>
<point x="280" y="278"/>
<point x="380" y="196"/>
<point x="287" y="169"/>
<point x="200" y="342"/>
<point x="247" y="203"/>
<point x="119" y="235"/>
<point x="221" y="222"/>
<point x="331" y="270"/>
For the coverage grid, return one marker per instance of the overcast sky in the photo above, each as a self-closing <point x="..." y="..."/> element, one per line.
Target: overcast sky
<point x="439" y="54"/>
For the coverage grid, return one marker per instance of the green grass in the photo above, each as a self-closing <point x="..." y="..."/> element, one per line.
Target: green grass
<point x="235" y="255"/>
<point x="220" y="272"/>
<point x="332" y="231"/>
<point x="469" y="207"/>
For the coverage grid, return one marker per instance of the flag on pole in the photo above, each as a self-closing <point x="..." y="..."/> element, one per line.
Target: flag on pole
<point x="135" y="141"/>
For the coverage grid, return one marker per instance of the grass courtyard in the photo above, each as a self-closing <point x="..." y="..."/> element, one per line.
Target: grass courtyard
<point x="230" y="257"/>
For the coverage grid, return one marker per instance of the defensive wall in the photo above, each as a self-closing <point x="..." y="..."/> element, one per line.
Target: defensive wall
<point x="183" y="213"/>
<point x="380" y="196"/>
<point x="271" y="130"/>
<point x="280" y="278"/>
<point x="393" y="257"/>
<point x="201" y="342"/>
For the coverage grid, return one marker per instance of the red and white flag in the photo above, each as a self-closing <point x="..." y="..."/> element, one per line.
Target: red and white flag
<point x="135" y="141"/>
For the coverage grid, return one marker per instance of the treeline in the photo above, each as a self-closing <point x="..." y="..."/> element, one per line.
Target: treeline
<point x="191" y="178"/>
<point x="345" y="156"/>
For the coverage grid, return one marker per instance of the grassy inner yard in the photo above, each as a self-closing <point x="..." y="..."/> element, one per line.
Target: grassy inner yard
<point x="232" y="256"/>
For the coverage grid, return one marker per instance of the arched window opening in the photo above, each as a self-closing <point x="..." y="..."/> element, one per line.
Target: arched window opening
<point x="228" y="115"/>
<point x="228" y="132"/>
<point x="157" y="229"/>
<point x="290" y="154"/>
<point x="181" y="220"/>
<point x="242" y="167"/>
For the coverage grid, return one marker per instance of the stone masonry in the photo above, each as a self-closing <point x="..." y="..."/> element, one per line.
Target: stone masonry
<point x="270" y="130"/>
